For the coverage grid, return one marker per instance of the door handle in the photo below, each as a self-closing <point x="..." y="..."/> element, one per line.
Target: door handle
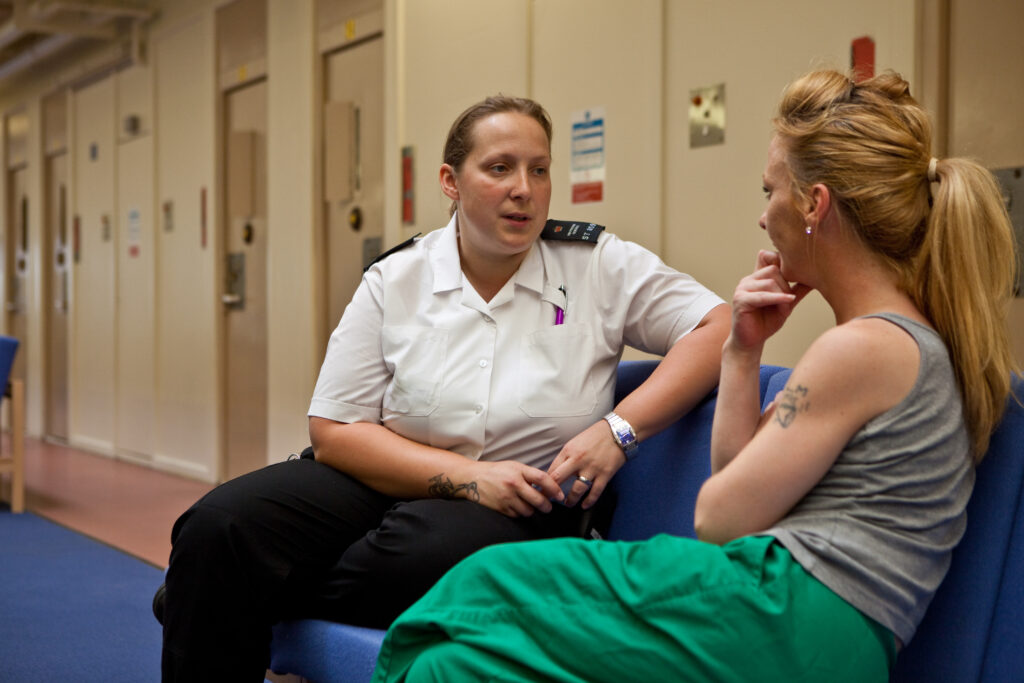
<point x="235" y="285"/>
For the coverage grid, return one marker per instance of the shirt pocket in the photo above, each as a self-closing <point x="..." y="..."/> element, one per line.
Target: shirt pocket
<point x="415" y="355"/>
<point x="554" y="372"/>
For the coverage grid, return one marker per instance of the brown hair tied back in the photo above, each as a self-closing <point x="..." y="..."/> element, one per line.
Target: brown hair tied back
<point x="460" y="137"/>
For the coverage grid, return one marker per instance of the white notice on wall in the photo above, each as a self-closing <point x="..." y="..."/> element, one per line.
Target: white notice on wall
<point x="134" y="240"/>
<point x="587" y="162"/>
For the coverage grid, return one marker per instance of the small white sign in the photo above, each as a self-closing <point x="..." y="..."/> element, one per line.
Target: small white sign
<point x="587" y="155"/>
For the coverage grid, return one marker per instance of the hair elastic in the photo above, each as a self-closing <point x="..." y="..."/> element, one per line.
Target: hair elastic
<point x="932" y="175"/>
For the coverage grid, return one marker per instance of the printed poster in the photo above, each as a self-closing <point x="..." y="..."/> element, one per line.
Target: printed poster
<point x="587" y="158"/>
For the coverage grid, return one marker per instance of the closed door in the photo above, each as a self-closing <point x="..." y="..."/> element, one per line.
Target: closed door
<point x="244" y="297"/>
<point x="354" y="168"/>
<point x="17" y="265"/>
<point x="92" y="358"/>
<point x="57" y="324"/>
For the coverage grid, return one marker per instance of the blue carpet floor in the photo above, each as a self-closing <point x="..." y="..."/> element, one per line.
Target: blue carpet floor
<point x="73" y="609"/>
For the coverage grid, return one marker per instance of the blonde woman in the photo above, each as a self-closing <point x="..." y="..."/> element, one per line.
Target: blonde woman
<point x="828" y="521"/>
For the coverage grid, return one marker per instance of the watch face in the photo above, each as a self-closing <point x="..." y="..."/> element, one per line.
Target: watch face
<point x="624" y="434"/>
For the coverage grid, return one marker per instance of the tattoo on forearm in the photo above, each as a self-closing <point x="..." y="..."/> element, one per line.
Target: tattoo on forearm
<point x="792" y="400"/>
<point x="442" y="487"/>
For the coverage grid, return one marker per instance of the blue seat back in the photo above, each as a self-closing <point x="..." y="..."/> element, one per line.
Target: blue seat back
<point x="974" y="628"/>
<point x="656" y="491"/>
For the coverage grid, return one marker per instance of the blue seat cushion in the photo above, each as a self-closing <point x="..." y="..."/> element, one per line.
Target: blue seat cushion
<point x="324" y="651"/>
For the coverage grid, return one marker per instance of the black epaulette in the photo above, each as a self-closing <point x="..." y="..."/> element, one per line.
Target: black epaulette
<point x="571" y="231"/>
<point x="392" y="250"/>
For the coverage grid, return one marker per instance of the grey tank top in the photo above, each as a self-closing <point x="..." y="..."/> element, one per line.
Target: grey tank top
<point x="880" y="527"/>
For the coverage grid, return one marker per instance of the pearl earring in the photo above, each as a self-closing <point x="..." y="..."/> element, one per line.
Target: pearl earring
<point x="808" y="230"/>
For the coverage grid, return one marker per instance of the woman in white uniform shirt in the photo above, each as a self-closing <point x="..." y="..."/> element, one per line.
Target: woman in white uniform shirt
<point x="464" y="386"/>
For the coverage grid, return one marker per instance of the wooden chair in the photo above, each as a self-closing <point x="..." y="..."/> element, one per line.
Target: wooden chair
<point x="14" y="393"/>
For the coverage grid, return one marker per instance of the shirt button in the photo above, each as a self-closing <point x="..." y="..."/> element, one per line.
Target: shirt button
<point x="483" y="362"/>
<point x="479" y="408"/>
<point x="488" y="319"/>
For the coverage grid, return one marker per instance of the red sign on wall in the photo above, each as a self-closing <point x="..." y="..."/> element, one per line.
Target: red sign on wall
<point x="587" y="192"/>
<point x="862" y="58"/>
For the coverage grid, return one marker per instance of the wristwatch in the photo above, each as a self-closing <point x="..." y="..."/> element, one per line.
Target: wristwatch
<point x="623" y="434"/>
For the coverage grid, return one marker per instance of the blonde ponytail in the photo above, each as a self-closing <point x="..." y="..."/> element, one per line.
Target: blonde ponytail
<point x="965" y="274"/>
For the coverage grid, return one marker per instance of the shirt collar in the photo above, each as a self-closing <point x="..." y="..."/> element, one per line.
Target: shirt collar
<point x="447" y="268"/>
<point x="444" y="260"/>
<point x="531" y="270"/>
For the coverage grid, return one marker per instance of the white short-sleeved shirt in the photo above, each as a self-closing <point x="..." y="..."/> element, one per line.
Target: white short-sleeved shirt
<point x="419" y="351"/>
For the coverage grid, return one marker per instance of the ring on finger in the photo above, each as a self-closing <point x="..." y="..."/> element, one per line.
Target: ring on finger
<point x="585" y="480"/>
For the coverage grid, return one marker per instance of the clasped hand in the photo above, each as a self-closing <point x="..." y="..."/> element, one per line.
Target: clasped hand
<point x="518" y="490"/>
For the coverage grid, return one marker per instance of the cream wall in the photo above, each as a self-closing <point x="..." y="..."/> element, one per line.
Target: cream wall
<point x="92" y="315"/>
<point x="639" y="60"/>
<point x="174" y="92"/>
<point x="606" y="53"/>
<point x="294" y="351"/>
<point x="569" y="55"/>
<point x="713" y="194"/>
<point x="188" y="315"/>
<point x="450" y="55"/>
<point x="136" y="388"/>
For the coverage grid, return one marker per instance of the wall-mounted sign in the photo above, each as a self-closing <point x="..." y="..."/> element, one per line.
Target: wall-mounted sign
<point x="587" y="159"/>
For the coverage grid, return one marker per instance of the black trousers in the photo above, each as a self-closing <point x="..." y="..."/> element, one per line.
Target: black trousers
<point x="299" y="539"/>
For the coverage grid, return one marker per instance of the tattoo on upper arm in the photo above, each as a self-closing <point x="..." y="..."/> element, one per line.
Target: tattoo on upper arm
<point x="442" y="487"/>
<point x="791" y="401"/>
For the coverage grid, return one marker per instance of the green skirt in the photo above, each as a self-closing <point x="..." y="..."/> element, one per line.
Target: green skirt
<point x="666" y="609"/>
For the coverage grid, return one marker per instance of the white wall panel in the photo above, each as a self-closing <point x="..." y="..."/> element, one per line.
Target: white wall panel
<point x="188" y="427"/>
<point x="92" y="405"/>
<point x="136" y="268"/>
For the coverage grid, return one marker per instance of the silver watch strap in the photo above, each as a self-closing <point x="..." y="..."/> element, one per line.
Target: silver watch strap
<point x="623" y="434"/>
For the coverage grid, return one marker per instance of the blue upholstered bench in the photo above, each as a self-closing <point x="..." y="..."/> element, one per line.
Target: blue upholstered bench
<point x="974" y="630"/>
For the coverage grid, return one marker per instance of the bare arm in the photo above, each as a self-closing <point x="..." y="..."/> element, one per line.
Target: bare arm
<point x="761" y="304"/>
<point x="687" y="373"/>
<point x="849" y="375"/>
<point x="400" y="467"/>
